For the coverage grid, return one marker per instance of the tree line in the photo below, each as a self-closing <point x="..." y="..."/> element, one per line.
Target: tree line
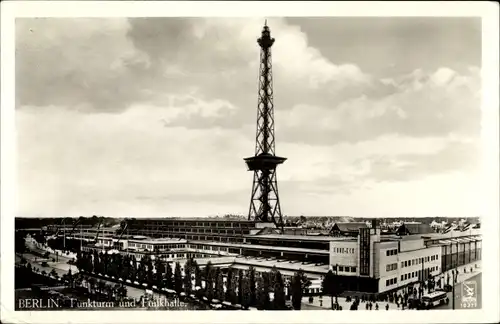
<point x="26" y="275"/>
<point x="247" y="288"/>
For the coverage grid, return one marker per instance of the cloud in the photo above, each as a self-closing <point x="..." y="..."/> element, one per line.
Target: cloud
<point x="455" y="156"/>
<point x="423" y="105"/>
<point x="136" y="117"/>
<point x="108" y="64"/>
<point x="85" y="64"/>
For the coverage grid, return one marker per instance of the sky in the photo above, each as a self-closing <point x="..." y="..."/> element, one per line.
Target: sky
<point x="378" y="117"/>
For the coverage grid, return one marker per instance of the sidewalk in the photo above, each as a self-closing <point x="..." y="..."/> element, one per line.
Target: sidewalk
<point x="462" y="276"/>
<point x="326" y="302"/>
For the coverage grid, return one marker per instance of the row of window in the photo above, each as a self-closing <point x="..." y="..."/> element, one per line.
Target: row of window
<point x="199" y="224"/>
<point x="347" y="269"/>
<point x="209" y="248"/>
<point x="158" y="246"/>
<point x="416" y="274"/>
<point x="166" y="256"/>
<point x="416" y="261"/>
<point x="391" y="267"/>
<point x="199" y="237"/>
<point x="391" y="252"/>
<point x="343" y="250"/>
<point x="390" y="282"/>
<point x="198" y="230"/>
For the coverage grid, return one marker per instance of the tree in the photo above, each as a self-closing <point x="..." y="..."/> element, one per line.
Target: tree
<point x="272" y="275"/>
<point x="298" y="284"/>
<point x="262" y="292"/>
<point x="168" y="278"/>
<point x="209" y="284"/>
<point x="197" y="274"/>
<point x="297" y="292"/>
<point x="228" y="284"/>
<point x="116" y="264"/>
<point x="133" y="268"/>
<point x="70" y="278"/>
<point x="231" y="284"/>
<point x="124" y="268"/>
<point x="79" y="261"/>
<point x="330" y="286"/>
<point x="187" y="278"/>
<point x="245" y="291"/>
<point x="178" y="278"/>
<point x="141" y="269"/>
<point x="240" y="286"/>
<point x="149" y="271"/>
<point x="160" y="270"/>
<point x="219" y="285"/>
<point x="252" y="283"/>
<point x="279" y="292"/>
<point x="105" y="261"/>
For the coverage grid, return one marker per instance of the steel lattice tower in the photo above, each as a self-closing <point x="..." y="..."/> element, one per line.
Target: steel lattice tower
<point x="264" y="202"/>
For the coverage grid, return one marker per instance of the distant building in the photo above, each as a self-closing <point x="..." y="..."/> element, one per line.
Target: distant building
<point x="414" y="228"/>
<point x="347" y="229"/>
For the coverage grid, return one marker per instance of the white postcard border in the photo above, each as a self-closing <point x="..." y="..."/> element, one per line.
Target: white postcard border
<point x="490" y="225"/>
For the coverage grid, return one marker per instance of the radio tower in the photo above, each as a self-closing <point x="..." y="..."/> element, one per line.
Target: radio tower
<point x="264" y="202"/>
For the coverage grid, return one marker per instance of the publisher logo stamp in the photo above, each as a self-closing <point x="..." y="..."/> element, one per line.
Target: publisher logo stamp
<point x="469" y="294"/>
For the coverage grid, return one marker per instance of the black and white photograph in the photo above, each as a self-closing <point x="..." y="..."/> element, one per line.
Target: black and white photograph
<point x="248" y="163"/>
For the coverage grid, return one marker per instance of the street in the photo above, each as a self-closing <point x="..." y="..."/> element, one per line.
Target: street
<point x="60" y="267"/>
<point x="458" y="295"/>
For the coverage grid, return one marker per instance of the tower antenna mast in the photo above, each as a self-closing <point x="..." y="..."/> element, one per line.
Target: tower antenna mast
<point x="264" y="201"/>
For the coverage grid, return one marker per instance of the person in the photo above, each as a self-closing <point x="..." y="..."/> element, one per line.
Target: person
<point x="376" y="306"/>
<point x="367" y="306"/>
<point x="386" y="306"/>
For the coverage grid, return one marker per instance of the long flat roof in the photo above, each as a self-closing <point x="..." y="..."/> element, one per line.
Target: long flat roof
<point x="263" y="247"/>
<point x="451" y="234"/>
<point x="158" y="240"/>
<point x="300" y="237"/>
<point x="205" y="219"/>
<point x="281" y="264"/>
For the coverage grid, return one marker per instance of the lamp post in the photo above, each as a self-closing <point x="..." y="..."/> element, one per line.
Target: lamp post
<point x="455" y="274"/>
